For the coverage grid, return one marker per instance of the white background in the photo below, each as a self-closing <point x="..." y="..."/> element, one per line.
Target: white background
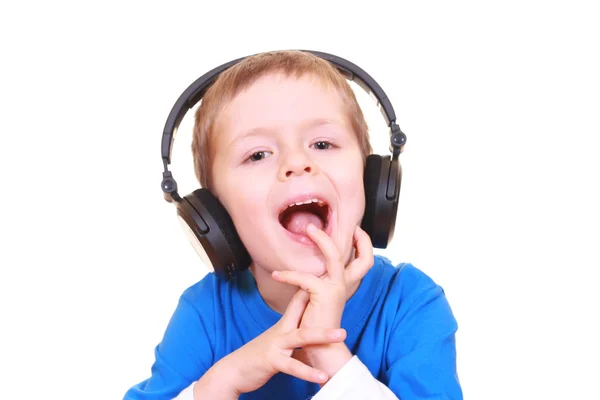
<point x="499" y="202"/>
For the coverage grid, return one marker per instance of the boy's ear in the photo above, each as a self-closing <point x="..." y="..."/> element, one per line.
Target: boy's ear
<point x="382" y="180"/>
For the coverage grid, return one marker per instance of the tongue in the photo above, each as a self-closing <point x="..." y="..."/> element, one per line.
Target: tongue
<point x="297" y="221"/>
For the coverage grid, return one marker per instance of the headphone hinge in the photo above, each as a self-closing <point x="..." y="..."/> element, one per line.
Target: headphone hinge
<point x="169" y="187"/>
<point x="397" y="140"/>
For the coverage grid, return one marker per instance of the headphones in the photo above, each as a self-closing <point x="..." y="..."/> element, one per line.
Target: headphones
<point x="209" y="227"/>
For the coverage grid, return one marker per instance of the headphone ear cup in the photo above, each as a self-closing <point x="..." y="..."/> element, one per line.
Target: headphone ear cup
<point x="382" y="179"/>
<point x="213" y="234"/>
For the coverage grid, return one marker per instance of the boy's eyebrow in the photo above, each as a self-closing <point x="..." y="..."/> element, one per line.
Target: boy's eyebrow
<point x="306" y="125"/>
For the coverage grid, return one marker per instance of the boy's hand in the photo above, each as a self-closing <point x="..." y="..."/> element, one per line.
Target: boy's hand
<point x="251" y="366"/>
<point x="328" y="295"/>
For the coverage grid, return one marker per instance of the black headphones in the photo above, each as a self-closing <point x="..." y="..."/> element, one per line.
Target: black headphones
<point x="210" y="228"/>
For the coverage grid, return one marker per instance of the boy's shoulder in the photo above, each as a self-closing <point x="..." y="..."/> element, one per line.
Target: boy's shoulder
<point x="199" y="290"/>
<point x="211" y="292"/>
<point x="401" y="288"/>
<point x="403" y="276"/>
<point x="208" y="290"/>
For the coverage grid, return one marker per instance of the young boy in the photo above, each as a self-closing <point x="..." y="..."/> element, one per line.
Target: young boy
<point x="316" y="315"/>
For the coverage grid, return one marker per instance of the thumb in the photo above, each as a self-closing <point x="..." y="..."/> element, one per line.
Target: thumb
<point x="295" y="309"/>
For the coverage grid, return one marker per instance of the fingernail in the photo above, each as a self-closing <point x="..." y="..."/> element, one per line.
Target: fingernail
<point x="322" y="376"/>
<point x="275" y="273"/>
<point x="311" y="228"/>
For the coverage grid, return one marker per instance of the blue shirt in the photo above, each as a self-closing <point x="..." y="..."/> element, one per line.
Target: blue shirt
<point x="398" y="323"/>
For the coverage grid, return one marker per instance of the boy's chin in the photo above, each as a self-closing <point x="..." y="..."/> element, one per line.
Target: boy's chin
<point x="314" y="265"/>
<point x="310" y="264"/>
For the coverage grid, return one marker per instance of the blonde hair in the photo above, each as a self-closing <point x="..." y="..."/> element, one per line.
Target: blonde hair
<point x="245" y="73"/>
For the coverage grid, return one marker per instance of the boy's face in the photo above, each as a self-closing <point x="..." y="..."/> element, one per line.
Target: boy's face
<point x="280" y="142"/>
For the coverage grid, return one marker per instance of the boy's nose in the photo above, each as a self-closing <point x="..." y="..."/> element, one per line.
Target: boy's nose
<point x="296" y="164"/>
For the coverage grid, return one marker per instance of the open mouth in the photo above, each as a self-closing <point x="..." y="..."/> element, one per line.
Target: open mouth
<point x="295" y="217"/>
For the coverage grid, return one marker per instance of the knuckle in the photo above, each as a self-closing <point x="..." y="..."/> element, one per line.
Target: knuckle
<point x="302" y="335"/>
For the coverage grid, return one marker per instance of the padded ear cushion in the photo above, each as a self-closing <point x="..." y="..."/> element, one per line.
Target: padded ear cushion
<point x="221" y="241"/>
<point x="371" y="182"/>
<point x="379" y="220"/>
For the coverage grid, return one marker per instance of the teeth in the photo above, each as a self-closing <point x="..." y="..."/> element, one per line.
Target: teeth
<point x="319" y="202"/>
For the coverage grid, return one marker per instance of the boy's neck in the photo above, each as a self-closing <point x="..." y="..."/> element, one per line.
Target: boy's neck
<point x="277" y="295"/>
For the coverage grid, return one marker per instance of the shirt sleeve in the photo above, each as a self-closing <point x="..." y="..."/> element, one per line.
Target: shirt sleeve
<point x="420" y="357"/>
<point x="354" y="382"/>
<point x="181" y="358"/>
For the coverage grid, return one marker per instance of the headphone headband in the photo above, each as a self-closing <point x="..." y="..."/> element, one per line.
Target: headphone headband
<point x="194" y="93"/>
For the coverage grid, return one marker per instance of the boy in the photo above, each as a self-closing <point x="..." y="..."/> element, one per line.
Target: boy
<point x="281" y="141"/>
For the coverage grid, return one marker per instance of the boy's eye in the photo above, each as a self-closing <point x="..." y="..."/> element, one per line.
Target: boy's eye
<point x="259" y="155"/>
<point x="322" y="145"/>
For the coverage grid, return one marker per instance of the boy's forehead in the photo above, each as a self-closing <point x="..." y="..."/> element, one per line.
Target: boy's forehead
<point x="272" y="80"/>
<point x="308" y="99"/>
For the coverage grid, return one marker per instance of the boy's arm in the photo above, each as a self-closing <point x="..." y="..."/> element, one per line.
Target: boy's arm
<point x="421" y="356"/>
<point x="183" y="355"/>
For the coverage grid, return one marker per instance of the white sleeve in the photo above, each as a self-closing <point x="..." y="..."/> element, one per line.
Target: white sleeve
<point x="187" y="393"/>
<point x="354" y="382"/>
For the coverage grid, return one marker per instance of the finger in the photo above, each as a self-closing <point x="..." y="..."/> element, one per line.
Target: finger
<point x="293" y="367"/>
<point x="311" y="336"/>
<point x="359" y="267"/>
<point x="303" y="280"/>
<point x="335" y="264"/>
<point x="295" y="309"/>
